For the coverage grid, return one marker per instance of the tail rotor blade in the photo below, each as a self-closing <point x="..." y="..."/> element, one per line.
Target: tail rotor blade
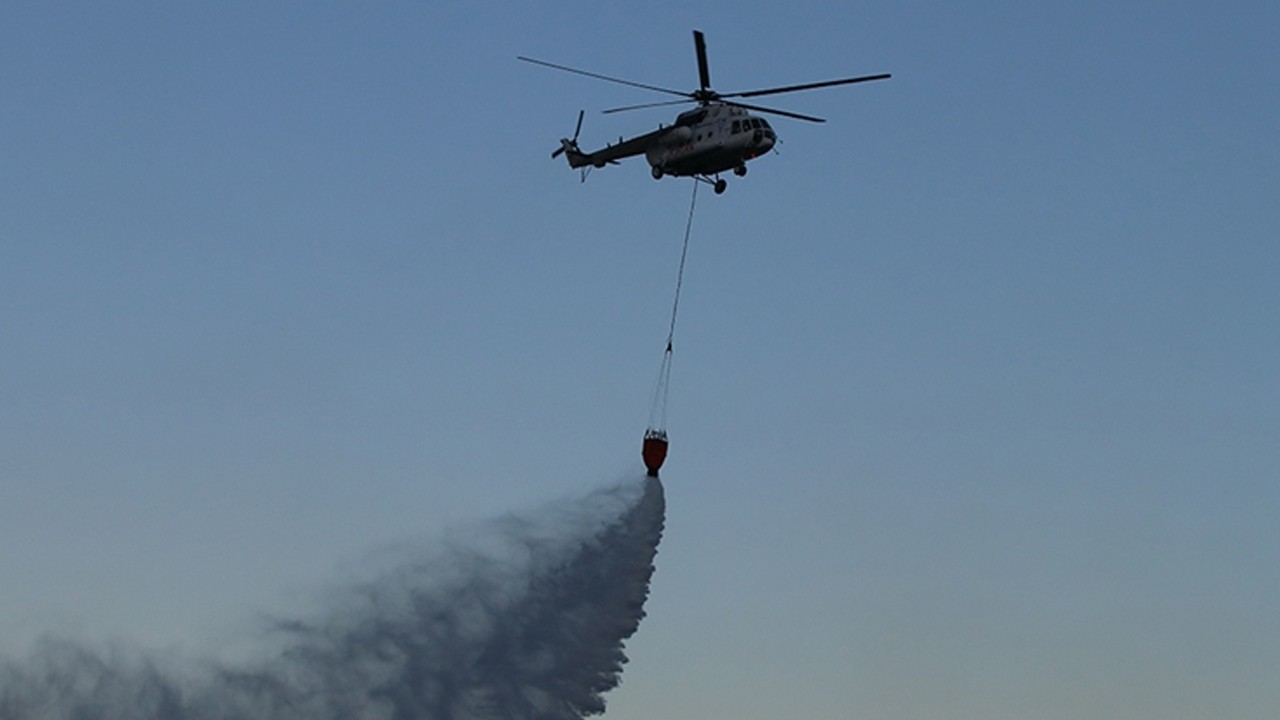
<point x="578" y="128"/>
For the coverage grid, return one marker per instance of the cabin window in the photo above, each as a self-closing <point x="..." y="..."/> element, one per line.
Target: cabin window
<point x="737" y="127"/>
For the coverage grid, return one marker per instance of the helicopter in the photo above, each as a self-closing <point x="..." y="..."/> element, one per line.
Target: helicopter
<point x="717" y="136"/>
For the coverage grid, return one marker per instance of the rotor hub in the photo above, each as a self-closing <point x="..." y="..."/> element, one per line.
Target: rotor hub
<point x="705" y="96"/>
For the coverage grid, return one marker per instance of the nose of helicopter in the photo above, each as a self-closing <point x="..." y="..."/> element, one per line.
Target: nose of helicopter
<point x="764" y="140"/>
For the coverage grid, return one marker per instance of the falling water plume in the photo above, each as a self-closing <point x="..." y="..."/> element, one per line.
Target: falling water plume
<point x="533" y="628"/>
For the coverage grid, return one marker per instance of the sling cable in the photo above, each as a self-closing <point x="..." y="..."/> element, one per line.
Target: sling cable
<point x="654" y="450"/>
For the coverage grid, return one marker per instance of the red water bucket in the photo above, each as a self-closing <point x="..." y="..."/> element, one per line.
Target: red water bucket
<point x="654" y="451"/>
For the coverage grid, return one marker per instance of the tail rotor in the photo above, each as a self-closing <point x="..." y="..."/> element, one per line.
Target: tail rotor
<point x="570" y="145"/>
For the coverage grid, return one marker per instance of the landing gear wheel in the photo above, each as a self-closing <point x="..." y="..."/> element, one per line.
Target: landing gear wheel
<point x="657" y="172"/>
<point x="740" y="170"/>
<point x="720" y="186"/>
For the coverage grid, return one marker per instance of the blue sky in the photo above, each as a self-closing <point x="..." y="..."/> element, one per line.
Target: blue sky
<point x="974" y="402"/>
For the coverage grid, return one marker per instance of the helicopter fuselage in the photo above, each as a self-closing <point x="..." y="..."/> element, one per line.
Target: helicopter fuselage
<point x="703" y="143"/>
<point x="709" y="140"/>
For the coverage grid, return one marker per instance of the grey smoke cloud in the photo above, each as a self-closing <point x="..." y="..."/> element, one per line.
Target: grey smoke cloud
<point x="527" y="619"/>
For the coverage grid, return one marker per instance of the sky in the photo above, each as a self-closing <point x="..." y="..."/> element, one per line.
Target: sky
<point x="974" y="398"/>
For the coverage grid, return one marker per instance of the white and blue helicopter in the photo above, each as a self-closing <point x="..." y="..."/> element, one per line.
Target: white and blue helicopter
<point x="717" y="136"/>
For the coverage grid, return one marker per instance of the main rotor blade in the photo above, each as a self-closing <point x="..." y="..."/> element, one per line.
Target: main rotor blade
<point x="598" y="76"/>
<point x="700" y="46"/>
<point x="773" y="111"/>
<point x="807" y="86"/>
<point x="645" y="105"/>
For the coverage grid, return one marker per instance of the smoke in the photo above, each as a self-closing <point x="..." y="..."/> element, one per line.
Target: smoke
<point x="525" y="620"/>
